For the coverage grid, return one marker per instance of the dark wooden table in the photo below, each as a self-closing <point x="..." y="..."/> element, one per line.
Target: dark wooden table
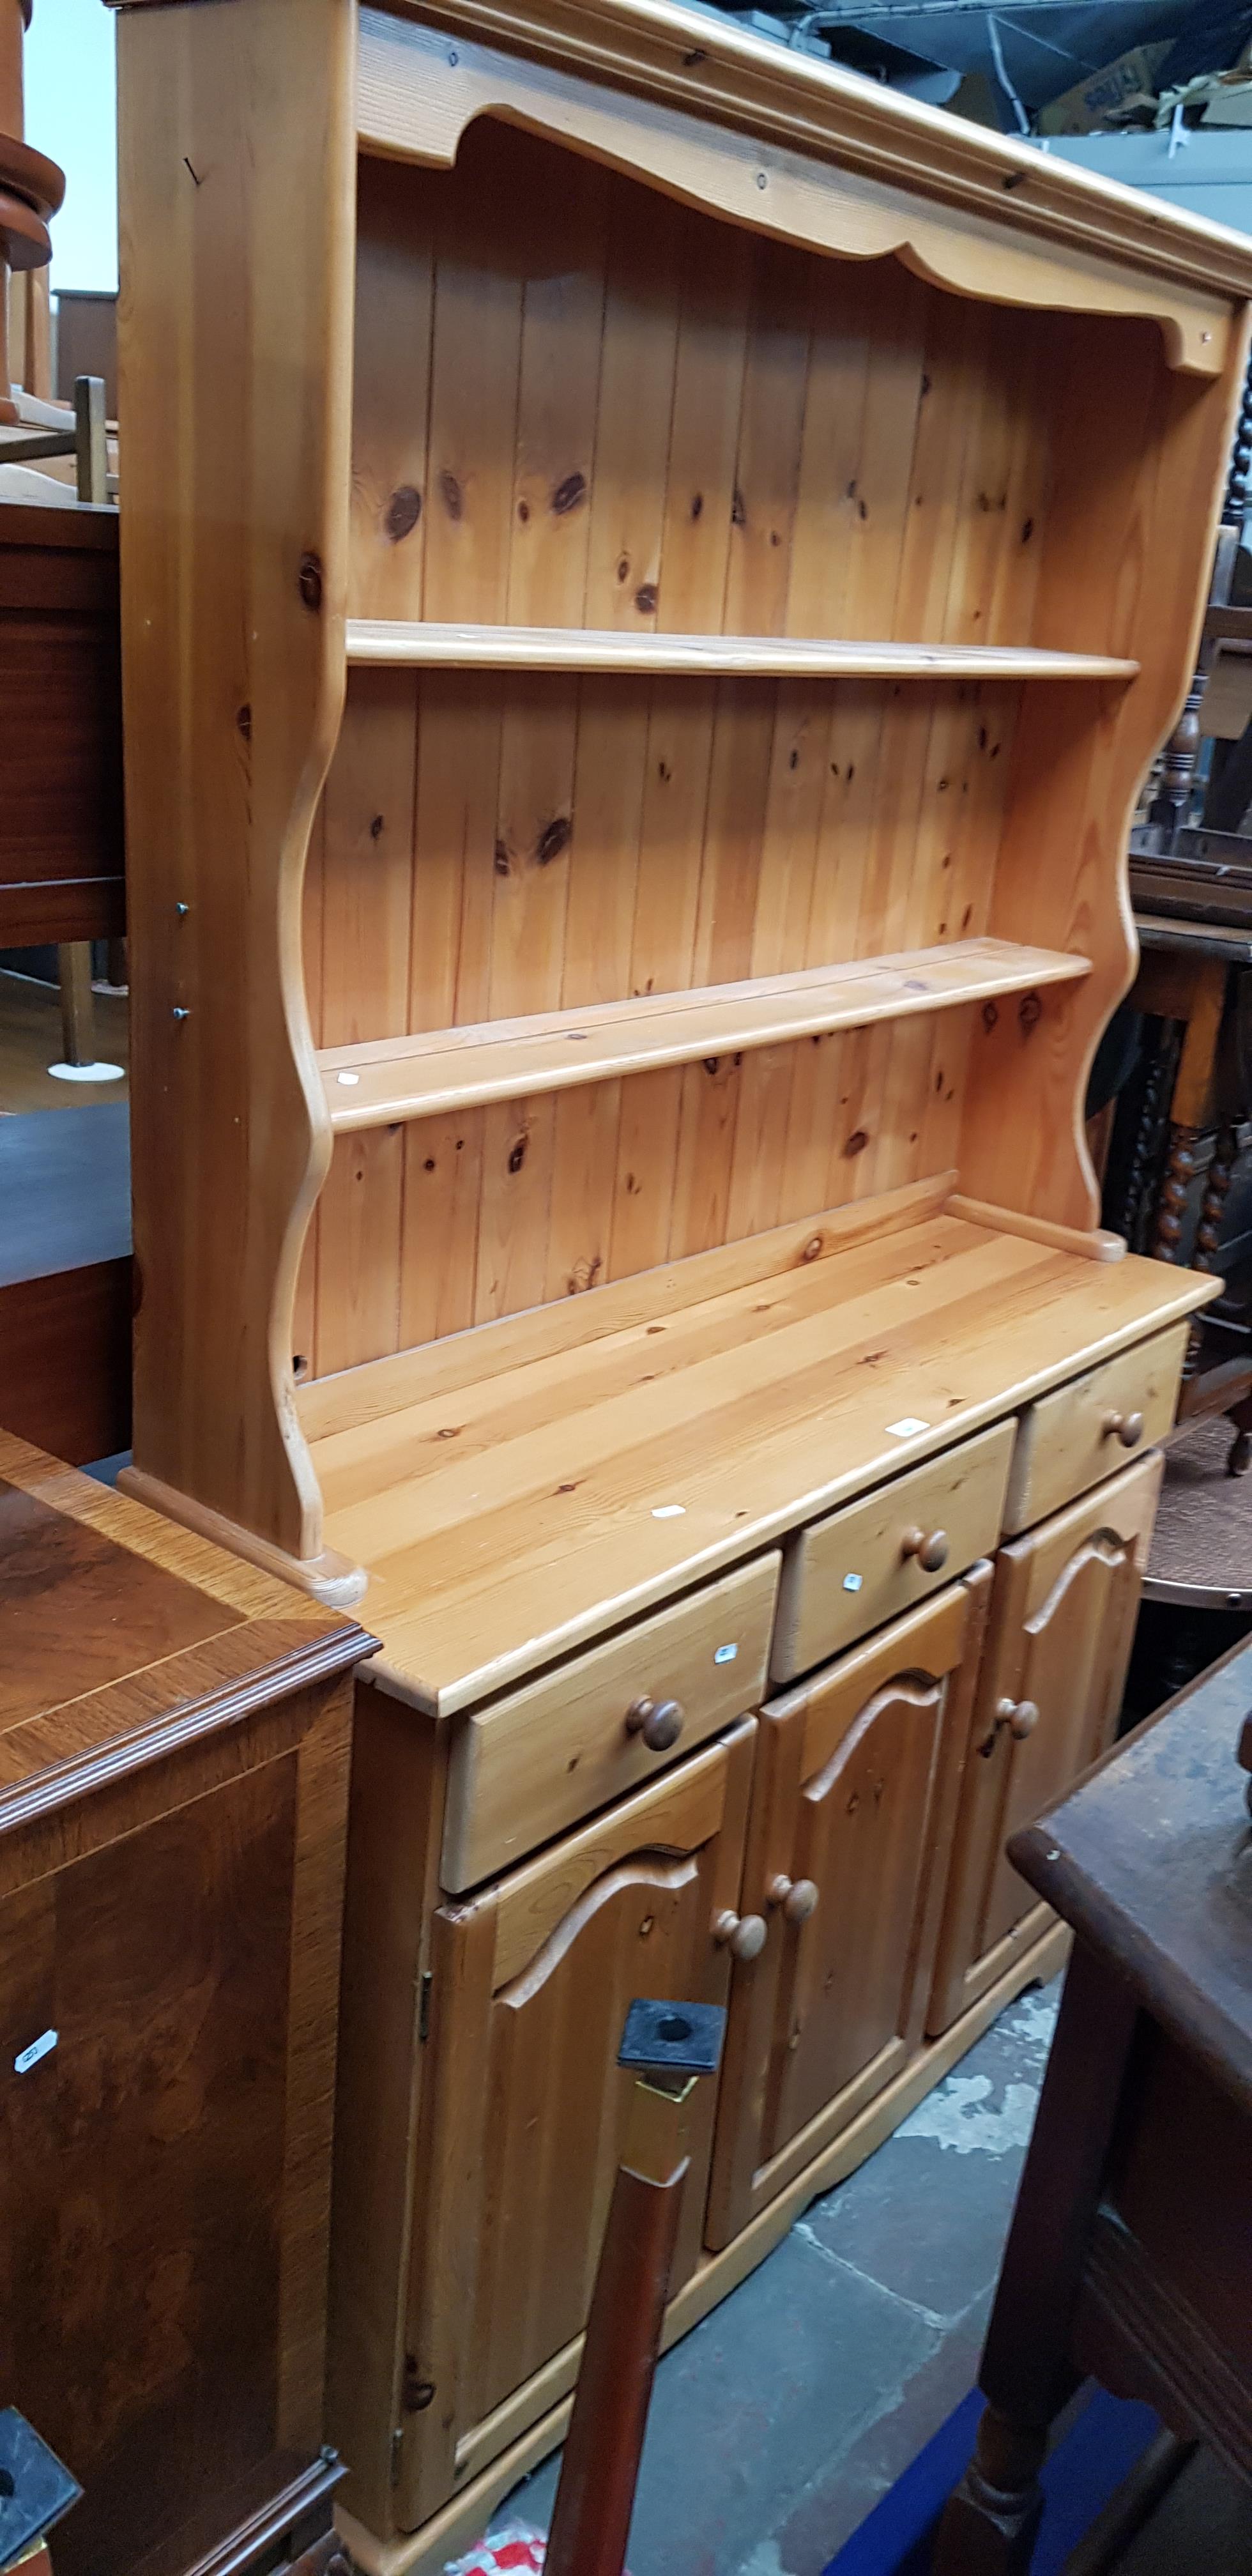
<point x="174" y="1746"/>
<point x="1130" y="2254"/>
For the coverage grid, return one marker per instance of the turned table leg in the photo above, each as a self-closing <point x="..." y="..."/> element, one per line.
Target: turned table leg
<point x="991" y="2519"/>
<point x="1240" y="1457"/>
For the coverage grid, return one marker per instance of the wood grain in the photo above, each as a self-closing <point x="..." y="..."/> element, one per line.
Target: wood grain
<point x="855" y="1796"/>
<point x="530" y="1984"/>
<point x="61" y="829"/>
<point x="174" y="1741"/>
<point x="378" y="1080"/>
<point x="234" y="164"/>
<point x="753" y="1411"/>
<point x="1060" y="1633"/>
<point x="527" y="1766"/>
<point x="861" y="187"/>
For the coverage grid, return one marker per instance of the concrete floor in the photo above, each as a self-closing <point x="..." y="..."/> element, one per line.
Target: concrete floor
<point x="64" y="1189"/>
<point x="778" y="2423"/>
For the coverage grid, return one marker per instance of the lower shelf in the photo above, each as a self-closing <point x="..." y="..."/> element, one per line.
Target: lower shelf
<point x="505" y="1518"/>
<point x="542" y="2408"/>
<point x="388" y="1079"/>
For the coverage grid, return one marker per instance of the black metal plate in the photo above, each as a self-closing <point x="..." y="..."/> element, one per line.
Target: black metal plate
<point x="684" y="2039"/>
<point x="35" y="2487"/>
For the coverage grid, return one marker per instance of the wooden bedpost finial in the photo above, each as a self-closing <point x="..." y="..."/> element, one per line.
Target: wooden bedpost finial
<point x="31" y="186"/>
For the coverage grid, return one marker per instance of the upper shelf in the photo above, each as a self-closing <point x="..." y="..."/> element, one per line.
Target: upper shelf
<point x="387" y="1079"/>
<point x="578" y="648"/>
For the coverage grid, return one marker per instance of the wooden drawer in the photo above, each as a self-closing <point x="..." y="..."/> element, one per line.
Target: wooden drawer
<point x="528" y="1766"/>
<point x="1069" y="1441"/>
<point x="851" y="1573"/>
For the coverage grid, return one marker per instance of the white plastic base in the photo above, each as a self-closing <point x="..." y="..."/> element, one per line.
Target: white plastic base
<point x="88" y="1072"/>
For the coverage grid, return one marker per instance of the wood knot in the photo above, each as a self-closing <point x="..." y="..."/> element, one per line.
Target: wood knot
<point x="554" y="838"/>
<point x="569" y="493"/>
<point x="243" y="721"/>
<point x="738" y="509"/>
<point x="402" y="513"/>
<point x="645" y="599"/>
<point x="697" y="505"/>
<point x="990" y="1017"/>
<point x="376" y="828"/>
<point x="309" y="581"/>
<point x="857" y="1142"/>
<point x="451" y="495"/>
<point x="1030" y="1011"/>
<point x="517" y="1154"/>
<point x="811" y="1248"/>
<point x="500" y="859"/>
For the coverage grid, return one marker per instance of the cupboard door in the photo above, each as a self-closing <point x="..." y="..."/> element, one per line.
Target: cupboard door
<point x="851" y="1818"/>
<point x="525" y="2103"/>
<point x="1062" y="1625"/>
<point x="167" y="2032"/>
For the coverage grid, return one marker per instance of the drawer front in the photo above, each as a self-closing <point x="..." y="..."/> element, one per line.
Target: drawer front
<point x="1071" y="1440"/>
<point x="528" y="1766"/>
<point x="848" y="1574"/>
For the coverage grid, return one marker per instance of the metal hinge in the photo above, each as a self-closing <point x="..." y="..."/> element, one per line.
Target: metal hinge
<point x="425" y="1983"/>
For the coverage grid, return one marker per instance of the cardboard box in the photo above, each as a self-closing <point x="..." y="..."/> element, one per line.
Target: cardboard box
<point x="1104" y="97"/>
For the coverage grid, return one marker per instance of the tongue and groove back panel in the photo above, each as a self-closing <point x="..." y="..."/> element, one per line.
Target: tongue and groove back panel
<point x="578" y="403"/>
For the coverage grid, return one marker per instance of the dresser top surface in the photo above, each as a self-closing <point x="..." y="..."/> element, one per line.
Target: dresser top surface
<point x="121" y="1635"/>
<point x="1151" y="1860"/>
<point x="507" y="1520"/>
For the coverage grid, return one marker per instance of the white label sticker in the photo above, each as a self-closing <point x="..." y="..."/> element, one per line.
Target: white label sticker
<point x="669" y="1511"/>
<point x="853" y="1582"/>
<point x="724" y="1654"/>
<point x="908" y="1428"/>
<point x="347" y="1079"/>
<point x="41" y="2047"/>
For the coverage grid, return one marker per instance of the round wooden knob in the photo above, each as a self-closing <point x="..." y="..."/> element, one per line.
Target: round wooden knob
<point x="659" y="1721"/>
<point x="1019" y="1715"/>
<point x="1126" y="1427"/>
<point x="744" y="1935"/>
<point x="929" y="1547"/>
<point x="796" y="1896"/>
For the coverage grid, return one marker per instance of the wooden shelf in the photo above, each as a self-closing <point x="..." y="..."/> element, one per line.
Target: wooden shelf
<point x="507" y="1517"/>
<point x="577" y="648"/>
<point x="385" y="1079"/>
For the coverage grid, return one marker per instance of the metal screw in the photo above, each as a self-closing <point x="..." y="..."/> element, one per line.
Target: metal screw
<point x="182" y="910"/>
<point x="180" y="1012"/>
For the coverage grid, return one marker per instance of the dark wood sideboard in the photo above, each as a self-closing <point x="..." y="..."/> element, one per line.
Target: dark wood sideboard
<point x="174" y="1746"/>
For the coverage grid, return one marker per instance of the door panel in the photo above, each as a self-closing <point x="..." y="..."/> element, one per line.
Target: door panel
<point x="851" y="1817"/>
<point x="143" y="2162"/>
<point x="526" y="2104"/>
<point x="1062" y="1625"/>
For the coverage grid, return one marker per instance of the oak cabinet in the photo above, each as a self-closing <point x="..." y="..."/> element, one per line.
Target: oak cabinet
<point x="1061" y="1629"/>
<point x="530" y="1983"/>
<point x="851" y="1823"/>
